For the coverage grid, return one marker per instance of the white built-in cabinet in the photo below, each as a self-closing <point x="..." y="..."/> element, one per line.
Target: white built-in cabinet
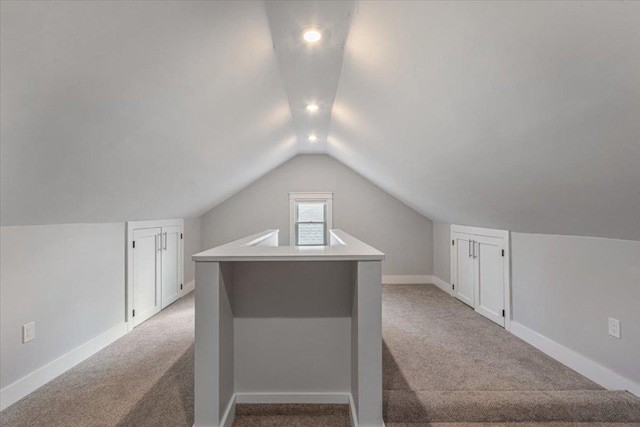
<point x="480" y="271"/>
<point x="155" y="267"/>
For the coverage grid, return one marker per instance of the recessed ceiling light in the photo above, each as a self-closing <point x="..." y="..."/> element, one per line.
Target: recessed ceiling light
<point x="312" y="108"/>
<point x="311" y="35"/>
<point x="313" y="138"/>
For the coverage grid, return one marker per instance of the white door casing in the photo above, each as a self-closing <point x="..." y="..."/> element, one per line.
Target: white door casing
<point x="464" y="286"/>
<point x="171" y="265"/>
<point x="489" y="253"/>
<point x="168" y="267"/>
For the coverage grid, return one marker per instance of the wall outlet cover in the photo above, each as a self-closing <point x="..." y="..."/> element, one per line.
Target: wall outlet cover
<point x="28" y="332"/>
<point x="614" y="327"/>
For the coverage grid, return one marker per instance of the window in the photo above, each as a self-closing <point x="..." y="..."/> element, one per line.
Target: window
<point x="310" y="218"/>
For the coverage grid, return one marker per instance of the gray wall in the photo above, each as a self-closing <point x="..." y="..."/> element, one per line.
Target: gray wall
<point x="192" y="240"/>
<point x="442" y="251"/>
<point x="69" y="279"/>
<point x="298" y="314"/>
<point x="565" y="288"/>
<point x="359" y="208"/>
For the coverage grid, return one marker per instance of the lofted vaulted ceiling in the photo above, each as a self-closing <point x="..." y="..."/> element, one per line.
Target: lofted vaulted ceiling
<point x="115" y="111"/>
<point x="516" y="115"/>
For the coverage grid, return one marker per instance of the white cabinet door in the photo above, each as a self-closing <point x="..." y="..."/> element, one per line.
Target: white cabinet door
<point x="464" y="287"/>
<point x="171" y="264"/>
<point x="490" y="281"/>
<point x="146" y="274"/>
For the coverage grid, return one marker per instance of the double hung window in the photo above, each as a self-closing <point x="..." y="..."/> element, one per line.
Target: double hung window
<point x="310" y="218"/>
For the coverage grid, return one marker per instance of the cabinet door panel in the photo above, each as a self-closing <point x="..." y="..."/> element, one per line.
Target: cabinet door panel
<point x="171" y="265"/>
<point x="490" y="279"/>
<point x="146" y="274"/>
<point x="464" y="273"/>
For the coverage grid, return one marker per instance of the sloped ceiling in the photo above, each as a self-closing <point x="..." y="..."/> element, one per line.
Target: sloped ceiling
<point x="115" y="111"/>
<point x="517" y="115"/>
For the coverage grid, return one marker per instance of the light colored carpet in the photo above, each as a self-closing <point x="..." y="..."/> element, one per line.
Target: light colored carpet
<point x="444" y="366"/>
<point x="435" y="342"/>
<point x="291" y="421"/>
<point x="445" y="363"/>
<point x="144" y="378"/>
<point x="294" y="415"/>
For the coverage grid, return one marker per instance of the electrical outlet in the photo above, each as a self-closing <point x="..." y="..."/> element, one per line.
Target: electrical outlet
<point x="28" y="331"/>
<point x="614" y="327"/>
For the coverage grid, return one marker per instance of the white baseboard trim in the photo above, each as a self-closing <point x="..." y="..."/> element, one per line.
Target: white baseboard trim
<point x="229" y="413"/>
<point x="579" y="363"/>
<point x="188" y="287"/>
<point x="406" y="279"/>
<point x="353" y="415"/>
<point x="417" y="280"/>
<point x="442" y="284"/>
<point x="29" y="383"/>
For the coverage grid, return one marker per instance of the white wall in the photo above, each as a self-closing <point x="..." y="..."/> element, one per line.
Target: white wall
<point x="298" y="314"/>
<point x="359" y="207"/>
<point x="442" y="251"/>
<point x="192" y="240"/>
<point x="69" y="279"/>
<point x="565" y="288"/>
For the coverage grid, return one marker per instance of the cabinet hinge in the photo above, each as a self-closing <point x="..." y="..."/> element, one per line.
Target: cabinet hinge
<point x="134" y="243"/>
<point x="181" y="235"/>
<point x="134" y="314"/>
<point x="502" y="313"/>
<point x="503" y="252"/>
<point x="453" y="242"/>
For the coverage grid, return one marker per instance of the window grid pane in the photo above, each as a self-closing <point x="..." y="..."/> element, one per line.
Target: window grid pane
<point x="311" y="212"/>
<point x="310" y="234"/>
<point x="310" y="222"/>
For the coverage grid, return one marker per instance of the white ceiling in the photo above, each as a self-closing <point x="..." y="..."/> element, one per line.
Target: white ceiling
<point x="517" y="115"/>
<point x="310" y="71"/>
<point x="116" y="111"/>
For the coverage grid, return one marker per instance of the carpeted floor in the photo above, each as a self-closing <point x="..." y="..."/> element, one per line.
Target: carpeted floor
<point x="143" y="379"/>
<point x="444" y="366"/>
<point x="445" y="363"/>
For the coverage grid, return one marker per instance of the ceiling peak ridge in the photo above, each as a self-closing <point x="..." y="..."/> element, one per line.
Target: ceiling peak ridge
<point x="309" y="39"/>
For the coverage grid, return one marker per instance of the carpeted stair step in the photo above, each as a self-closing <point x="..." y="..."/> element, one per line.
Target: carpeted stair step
<point x="405" y="406"/>
<point x="314" y="409"/>
<point x="512" y="424"/>
<point x="291" y="421"/>
<point x="291" y="415"/>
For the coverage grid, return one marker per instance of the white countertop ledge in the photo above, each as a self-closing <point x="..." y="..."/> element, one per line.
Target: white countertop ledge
<point x="263" y="247"/>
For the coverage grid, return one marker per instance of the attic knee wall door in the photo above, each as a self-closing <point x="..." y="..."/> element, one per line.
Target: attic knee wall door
<point x="480" y="270"/>
<point x="154" y="267"/>
<point x="146" y="273"/>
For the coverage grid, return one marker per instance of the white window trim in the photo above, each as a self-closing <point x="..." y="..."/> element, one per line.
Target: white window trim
<point x="294" y="198"/>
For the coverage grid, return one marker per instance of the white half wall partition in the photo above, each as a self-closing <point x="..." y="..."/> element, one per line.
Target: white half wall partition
<point x="288" y="324"/>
